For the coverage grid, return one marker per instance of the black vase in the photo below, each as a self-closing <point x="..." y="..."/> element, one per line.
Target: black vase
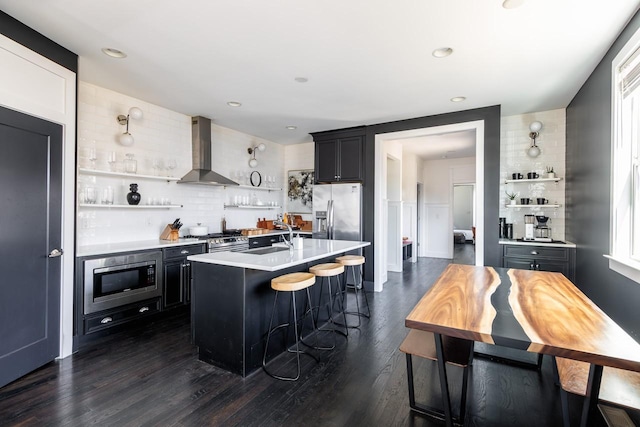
<point x="133" y="198"/>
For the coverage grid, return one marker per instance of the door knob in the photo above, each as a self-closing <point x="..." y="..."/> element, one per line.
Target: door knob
<point x="55" y="253"/>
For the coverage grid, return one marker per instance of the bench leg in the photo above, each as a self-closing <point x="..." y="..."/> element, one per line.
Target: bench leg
<point x="444" y="384"/>
<point x="593" y="391"/>
<point x="423" y="409"/>
<point x="564" y="402"/>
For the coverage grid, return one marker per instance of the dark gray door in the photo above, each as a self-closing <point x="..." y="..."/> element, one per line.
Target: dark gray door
<point x="30" y="228"/>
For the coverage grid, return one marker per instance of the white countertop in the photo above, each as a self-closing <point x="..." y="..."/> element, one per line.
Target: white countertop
<point x="109" y="248"/>
<point x="566" y="243"/>
<point x="313" y="249"/>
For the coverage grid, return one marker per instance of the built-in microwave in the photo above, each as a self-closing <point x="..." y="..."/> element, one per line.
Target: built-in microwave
<point x="117" y="280"/>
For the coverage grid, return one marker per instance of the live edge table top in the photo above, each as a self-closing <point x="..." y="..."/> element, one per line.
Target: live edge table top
<point x="537" y="311"/>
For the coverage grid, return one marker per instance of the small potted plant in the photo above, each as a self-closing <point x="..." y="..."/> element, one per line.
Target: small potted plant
<point x="550" y="172"/>
<point x="512" y="197"/>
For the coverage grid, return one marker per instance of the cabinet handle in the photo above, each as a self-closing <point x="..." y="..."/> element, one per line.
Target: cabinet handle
<point x="534" y="252"/>
<point x="532" y="266"/>
<point x="143" y="309"/>
<point x="106" y="320"/>
<point x="184" y="251"/>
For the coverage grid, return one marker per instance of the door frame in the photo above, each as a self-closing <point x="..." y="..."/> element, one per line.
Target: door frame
<point x="54" y="100"/>
<point x="380" y="271"/>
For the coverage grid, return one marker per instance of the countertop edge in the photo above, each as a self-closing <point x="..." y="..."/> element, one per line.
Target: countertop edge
<point x="142" y="245"/>
<point x="566" y="244"/>
<point x="207" y="258"/>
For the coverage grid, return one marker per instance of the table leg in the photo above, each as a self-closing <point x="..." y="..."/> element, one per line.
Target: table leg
<point x="444" y="385"/>
<point x="592" y="393"/>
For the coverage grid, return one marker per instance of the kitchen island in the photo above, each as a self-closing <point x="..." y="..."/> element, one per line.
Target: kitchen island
<point x="232" y="299"/>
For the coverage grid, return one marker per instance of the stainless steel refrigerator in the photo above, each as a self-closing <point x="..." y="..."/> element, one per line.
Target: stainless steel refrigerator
<point x="337" y="211"/>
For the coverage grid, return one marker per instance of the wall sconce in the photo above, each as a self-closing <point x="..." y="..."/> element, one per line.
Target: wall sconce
<point x="260" y="147"/>
<point x="534" y="150"/>
<point x="126" y="138"/>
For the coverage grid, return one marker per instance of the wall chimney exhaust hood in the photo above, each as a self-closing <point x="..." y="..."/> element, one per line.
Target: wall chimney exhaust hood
<point x="201" y="150"/>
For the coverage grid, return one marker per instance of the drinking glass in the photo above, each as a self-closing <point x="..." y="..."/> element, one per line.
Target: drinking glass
<point x="171" y="165"/>
<point x="112" y="158"/>
<point x="90" y="195"/>
<point x="92" y="155"/>
<point x="157" y="166"/>
<point x="107" y="195"/>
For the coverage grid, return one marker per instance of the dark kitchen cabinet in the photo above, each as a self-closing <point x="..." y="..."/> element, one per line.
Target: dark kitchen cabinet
<point x="339" y="156"/>
<point x="177" y="274"/>
<point x="542" y="258"/>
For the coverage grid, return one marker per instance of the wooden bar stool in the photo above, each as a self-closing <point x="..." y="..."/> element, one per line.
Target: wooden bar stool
<point x="327" y="271"/>
<point x="290" y="283"/>
<point x="457" y="351"/>
<point x="354" y="261"/>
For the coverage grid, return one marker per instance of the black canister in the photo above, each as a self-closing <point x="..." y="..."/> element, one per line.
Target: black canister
<point x="508" y="231"/>
<point x="501" y="232"/>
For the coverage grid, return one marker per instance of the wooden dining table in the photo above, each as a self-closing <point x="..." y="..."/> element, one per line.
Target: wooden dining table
<point x="540" y="312"/>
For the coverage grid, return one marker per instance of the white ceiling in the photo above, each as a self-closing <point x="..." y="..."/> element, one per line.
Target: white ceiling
<point x="452" y="145"/>
<point x="367" y="61"/>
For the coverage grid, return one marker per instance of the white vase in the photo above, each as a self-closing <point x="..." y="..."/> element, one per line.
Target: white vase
<point x="512" y="202"/>
<point x="551" y="175"/>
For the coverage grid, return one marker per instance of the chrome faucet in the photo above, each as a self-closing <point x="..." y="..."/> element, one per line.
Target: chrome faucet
<point x="289" y="242"/>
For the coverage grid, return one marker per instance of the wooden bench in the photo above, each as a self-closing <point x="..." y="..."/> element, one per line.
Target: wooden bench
<point x="618" y="386"/>
<point x="458" y="352"/>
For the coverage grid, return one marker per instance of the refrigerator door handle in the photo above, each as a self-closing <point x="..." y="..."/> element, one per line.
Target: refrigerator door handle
<point x="330" y="223"/>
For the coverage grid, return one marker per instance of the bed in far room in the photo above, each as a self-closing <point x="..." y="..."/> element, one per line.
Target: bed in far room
<point x="462" y="236"/>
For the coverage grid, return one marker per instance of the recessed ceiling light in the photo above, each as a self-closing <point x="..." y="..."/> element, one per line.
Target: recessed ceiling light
<point x="114" y="53"/>
<point x="458" y="99"/>
<point x="442" y="52"/>
<point x="512" y="4"/>
<point x="234" y="104"/>
<point x="301" y="79"/>
<point x="292" y="127"/>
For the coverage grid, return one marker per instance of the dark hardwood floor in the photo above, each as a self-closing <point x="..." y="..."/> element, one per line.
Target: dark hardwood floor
<point x="149" y="375"/>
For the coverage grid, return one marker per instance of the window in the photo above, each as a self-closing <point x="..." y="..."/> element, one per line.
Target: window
<point x="625" y="168"/>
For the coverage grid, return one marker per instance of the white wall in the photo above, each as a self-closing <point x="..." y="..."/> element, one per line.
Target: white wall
<point x="438" y="178"/>
<point x="164" y="133"/>
<point x="514" y="141"/>
<point x="298" y="157"/>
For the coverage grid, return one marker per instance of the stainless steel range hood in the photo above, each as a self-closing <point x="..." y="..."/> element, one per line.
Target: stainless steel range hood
<point x="201" y="146"/>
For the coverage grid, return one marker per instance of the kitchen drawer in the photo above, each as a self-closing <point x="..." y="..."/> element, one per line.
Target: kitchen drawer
<point x="527" y="264"/>
<point x="110" y="318"/>
<point x="537" y="252"/>
<point x="183" y="251"/>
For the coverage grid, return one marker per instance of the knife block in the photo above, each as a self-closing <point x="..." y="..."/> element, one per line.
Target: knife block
<point x="169" y="233"/>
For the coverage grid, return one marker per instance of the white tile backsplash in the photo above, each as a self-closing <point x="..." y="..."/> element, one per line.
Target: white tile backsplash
<point x="164" y="134"/>
<point x="514" y="142"/>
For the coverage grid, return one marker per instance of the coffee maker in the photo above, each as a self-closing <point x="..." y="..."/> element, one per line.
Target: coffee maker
<point x="543" y="231"/>
<point x="529" y="227"/>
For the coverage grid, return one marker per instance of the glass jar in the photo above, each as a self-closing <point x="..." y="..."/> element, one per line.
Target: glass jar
<point x="130" y="164"/>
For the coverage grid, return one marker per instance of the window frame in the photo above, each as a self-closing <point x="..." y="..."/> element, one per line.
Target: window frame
<point x="625" y="176"/>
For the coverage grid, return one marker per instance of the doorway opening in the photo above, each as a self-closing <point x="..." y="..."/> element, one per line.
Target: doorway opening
<point x="440" y="210"/>
<point x="464" y="224"/>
